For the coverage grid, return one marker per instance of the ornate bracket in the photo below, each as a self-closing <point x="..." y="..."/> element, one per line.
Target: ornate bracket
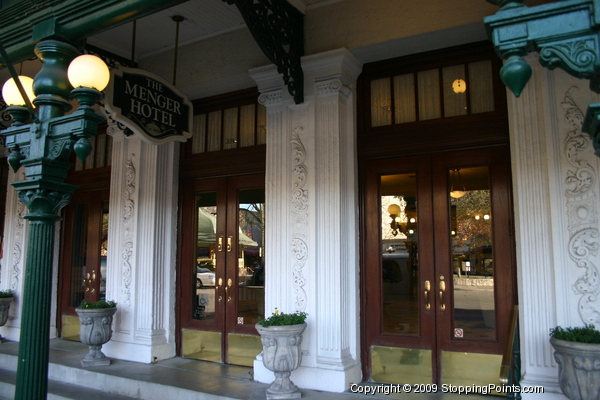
<point x="565" y="34"/>
<point x="278" y="28"/>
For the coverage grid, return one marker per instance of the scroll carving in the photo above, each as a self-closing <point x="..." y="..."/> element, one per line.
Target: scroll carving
<point x="299" y="246"/>
<point x="582" y="212"/>
<point x="128" y="219"/>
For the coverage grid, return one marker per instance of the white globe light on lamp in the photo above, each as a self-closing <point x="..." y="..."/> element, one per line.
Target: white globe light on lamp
<point x="11" y="94"/>
<point x="88" y="71"/>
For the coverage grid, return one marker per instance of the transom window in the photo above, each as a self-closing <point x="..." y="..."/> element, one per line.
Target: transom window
<point x="451" y="91"/>
<point x="236" y="123"/>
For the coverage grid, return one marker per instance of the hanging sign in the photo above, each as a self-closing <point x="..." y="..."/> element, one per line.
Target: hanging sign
<point x="149" y="106"/>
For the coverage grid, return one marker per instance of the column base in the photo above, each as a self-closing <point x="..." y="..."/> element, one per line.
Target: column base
<point x="143" y="353"/>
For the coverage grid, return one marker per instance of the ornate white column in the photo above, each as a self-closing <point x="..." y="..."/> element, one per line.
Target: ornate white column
<point x="556" y="192"/>
<point x="142" y="248"/>
<point x="13" y="260"/>
<point x="312" y="253"/>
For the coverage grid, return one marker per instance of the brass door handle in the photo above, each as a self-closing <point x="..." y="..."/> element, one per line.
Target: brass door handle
<point x="219" y="284"/>
<point x="442" y="290"/>
<point x="220" y="244"/>
<point x="229" y="245"/>
<point x="229" y="283"/>
<point x="427" y="289"/>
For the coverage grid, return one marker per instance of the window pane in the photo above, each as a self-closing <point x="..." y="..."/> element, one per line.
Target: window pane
<point x="472" y="253"/>
<point x="251" y="266"/>
<point x="404" y="98"/>
<point x="455" y="93"/>
<point x="79" y="241"/>
<point x="482" y="88"/>
<point x="104" y="250"/>
<point x="429" y="94"/>
<point x="204" y="289"/>
<point x="199" y="134"/>
<point x="399" y="264"/>
<point x="247" y="125"/>
<point x="381" y="102"/>
<point x="261" y="125"/>
<point x="230" y="128"/>
<point x="214" y="131"/>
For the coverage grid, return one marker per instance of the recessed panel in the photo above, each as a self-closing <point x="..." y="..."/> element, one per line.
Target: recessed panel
<point x="243" y="349"/>
<point x="468" y="369"/>
<point x="201" y="345"/>
<point x="399" y="365"/>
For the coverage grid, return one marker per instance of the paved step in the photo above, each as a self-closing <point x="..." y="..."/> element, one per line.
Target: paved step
<point x="56" y="390"/>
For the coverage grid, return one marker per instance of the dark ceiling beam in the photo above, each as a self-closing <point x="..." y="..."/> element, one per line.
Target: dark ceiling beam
<point x="278" y="28"/>
<point x="25" y="23"/>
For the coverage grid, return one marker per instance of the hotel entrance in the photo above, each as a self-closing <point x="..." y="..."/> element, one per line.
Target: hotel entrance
<point x="439" y="267"/>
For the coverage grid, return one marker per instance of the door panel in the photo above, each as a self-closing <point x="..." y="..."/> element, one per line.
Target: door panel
<point x="222" y="292"/>
<point x="439" y="265"/>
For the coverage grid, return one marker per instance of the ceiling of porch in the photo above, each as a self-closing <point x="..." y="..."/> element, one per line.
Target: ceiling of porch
<point x="156" y="33"/>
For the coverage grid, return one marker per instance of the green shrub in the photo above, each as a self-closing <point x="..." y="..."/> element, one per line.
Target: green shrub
<point x="279" y="319"/>
<point x="584" y="334"/>
<point x="6" y="293"/>
<point x="97" y="304"/>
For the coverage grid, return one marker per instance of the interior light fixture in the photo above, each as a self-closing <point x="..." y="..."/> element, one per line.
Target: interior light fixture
<point x="459" y="86"/>
<point x="457" y="194"/>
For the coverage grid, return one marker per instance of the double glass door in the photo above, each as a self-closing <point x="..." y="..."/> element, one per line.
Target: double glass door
<point x="439" y="267"/>
<point x="222" y="269"/>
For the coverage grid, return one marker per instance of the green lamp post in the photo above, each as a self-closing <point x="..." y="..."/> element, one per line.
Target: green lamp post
<point x="41" y="140"/>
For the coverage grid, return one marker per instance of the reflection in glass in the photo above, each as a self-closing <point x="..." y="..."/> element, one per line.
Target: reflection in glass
<point x="204" y="274"/>
<point x="78" y="257"/>
<point x="103" y="250"/>
<point x="399" y="238"/>
<point x="251" y="266"/>
<point x="472" y="257"/>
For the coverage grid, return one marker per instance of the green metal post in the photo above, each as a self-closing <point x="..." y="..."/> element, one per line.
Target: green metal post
<point x="32" y="367"/>
<point x="44" y="147"/>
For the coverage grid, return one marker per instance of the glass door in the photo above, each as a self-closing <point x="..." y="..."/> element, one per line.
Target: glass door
<point x="83" y="256"/>
<point x="439" y="267"/>
<point x="222" y="269"/>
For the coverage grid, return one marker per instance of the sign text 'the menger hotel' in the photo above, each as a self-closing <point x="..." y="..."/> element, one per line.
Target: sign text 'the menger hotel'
<point x="149" y="106"/>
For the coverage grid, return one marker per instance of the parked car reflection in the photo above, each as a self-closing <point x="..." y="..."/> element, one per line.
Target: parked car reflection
<point x="204" y="277"/>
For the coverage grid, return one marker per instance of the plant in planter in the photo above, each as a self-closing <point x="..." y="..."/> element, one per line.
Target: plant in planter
<point x="6" y="297"/>
<point x="577" y="352"/>
<point x="281" y="336"/>
<point x="95" y="329"/>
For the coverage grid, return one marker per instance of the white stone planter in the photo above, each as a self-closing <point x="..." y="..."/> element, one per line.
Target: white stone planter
<point x="95" y="330"/>
<point x="282" y="354"/>
<point x="578" y="369"/>
<point x="4" y="307"/>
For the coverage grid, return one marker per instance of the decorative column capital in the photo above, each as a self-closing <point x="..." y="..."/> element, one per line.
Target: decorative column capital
<point x="332" y="86"/>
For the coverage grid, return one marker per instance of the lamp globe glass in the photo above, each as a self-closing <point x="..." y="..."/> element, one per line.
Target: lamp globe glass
<point x="11" y="94"/>
<point x="88" y="71"/>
